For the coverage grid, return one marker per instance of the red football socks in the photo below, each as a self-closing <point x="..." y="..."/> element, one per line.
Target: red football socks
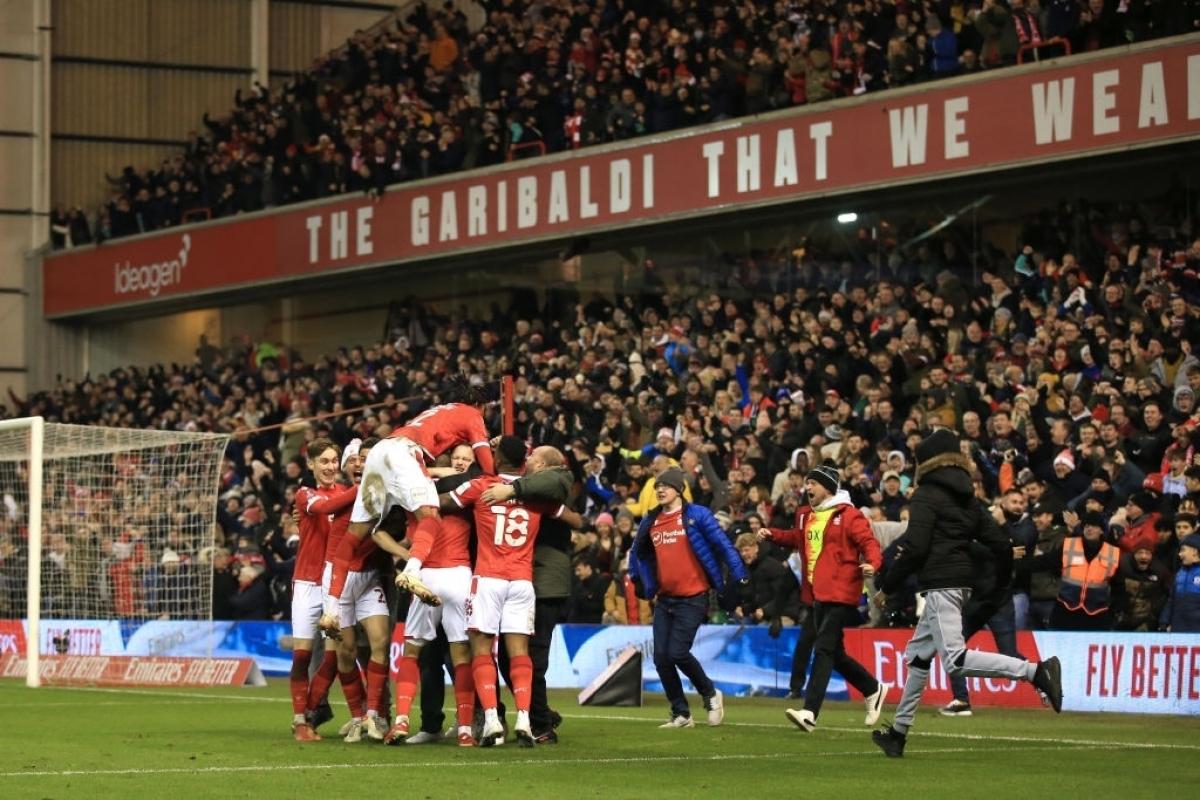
<point x="299" y="680"/>
<point x="484" y="670"/>
<point x="423" y="536"/>
<point x="352" y="687"/>
<point x="377" y="675"/>
<point x="464" y="693"/>
<point x="520" y="669"/>
<point x="321" y="682"/>
<point x="407" y="676"/>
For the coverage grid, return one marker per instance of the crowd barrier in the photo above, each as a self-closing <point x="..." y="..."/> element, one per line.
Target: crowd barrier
<point x="1124" y="672"/>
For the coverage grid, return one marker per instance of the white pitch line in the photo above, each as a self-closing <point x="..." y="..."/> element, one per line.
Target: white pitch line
<point x="528" y="762"/>
<point x="920" y="733"/>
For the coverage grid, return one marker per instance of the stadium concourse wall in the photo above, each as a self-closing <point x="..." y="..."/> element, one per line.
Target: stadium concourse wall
<point x="1112" y="672"/>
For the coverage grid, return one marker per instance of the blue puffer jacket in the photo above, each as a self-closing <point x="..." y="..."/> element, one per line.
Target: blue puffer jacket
<point x="1182" y="611"/>
<point x="710" y="544"/>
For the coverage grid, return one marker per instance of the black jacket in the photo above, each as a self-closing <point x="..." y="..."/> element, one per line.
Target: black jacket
<point x="587" y="599"/>
<point x="771" y="588"/>
<point x="945" y="517"/>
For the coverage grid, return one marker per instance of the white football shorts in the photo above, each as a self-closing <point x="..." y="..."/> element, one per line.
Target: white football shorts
<point x="497" y="606"/>
<point x="393" y="475"/>
<point x="362" y="596"/>
<point x="452" y="585"/>
<point x="306" y="609"/>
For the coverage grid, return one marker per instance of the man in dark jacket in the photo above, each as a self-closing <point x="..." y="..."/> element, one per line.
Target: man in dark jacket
<point x="587" y="593"/>
<point x="772" y="593"/>
<point x="680" y="553"/>
<point x="252" y="600"/>
<point x="1044" y="583"/>
<point x="1146" y="583"/>
<point x="945" y="518"/>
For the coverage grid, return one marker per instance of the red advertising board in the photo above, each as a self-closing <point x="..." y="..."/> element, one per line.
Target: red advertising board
<point x="12" y="637"/>
<point x="1120" y="99"/>
<point x="72" y="670"/>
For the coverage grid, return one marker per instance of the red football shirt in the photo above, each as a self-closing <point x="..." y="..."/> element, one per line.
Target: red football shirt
<point x="339" y="508"/>
<point x="506" y="532"/>
<point x="442" y="427"/>
<point x="679" y="571"/>
<point x="312" y="506"/>
<point x="452" y="547"/>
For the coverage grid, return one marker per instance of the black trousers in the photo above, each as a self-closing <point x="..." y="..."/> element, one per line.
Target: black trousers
<point x="547" y="613"/>
<point x="434" y="661"/>
<point x="830" y="620"/>
<point x="802" y="655"/>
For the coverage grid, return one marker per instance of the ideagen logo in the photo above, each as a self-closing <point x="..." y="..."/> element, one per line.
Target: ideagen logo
<point x="152" y="278"/>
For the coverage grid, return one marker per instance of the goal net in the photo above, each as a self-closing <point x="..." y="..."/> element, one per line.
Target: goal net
<point x="103" y="524"/>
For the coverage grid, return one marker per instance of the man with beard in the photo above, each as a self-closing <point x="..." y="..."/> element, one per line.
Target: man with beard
<point x="1146" y="584"/>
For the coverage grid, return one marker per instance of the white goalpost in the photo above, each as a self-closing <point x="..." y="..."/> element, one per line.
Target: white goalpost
<point x="107" y="526"/>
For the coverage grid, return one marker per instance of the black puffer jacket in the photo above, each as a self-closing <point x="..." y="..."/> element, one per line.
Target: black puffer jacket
<point x="945" y="517"/>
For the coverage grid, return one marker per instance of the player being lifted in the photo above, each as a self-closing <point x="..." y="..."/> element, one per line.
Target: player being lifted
<point x="362" y="601"/>
<point x="502" y="599"/>
<point x="447" y="572"/>
<point x="322" y="456"/>
<point x="394" y="474"/>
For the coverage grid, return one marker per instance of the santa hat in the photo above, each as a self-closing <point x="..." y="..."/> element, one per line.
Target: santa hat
<point x="1065" y="458"/>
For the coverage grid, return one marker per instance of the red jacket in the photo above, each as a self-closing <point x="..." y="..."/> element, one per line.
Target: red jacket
<point x="848" y="542"/>
<point x="1144" y="533"/>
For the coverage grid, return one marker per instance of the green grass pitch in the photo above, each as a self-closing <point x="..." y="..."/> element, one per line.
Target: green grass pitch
<point x="235" y="743"/>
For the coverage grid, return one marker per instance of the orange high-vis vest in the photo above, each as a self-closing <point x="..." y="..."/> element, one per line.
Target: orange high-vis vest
<point x="1085" y="583"/>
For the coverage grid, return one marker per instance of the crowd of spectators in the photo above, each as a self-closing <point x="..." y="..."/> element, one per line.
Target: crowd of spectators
<point x="1070" y="373"/>
<point x="427" y="95"/>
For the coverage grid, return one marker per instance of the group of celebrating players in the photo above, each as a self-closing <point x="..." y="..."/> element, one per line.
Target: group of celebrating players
<point x="336" y="585"/>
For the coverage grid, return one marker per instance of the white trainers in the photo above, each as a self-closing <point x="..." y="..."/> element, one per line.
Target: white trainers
<point x="492" y="734"/>
<point x="423" y="737"/>
<point x="874" y="703"/>
<point x="716" y="709"/>
<point x="377" y="727"/>
<point x="352" y="731"/>
<point x="679" y="722"/>
<point x="802" y="719"/>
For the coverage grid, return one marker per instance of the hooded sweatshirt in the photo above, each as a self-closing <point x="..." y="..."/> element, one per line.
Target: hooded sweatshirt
<point x="834" y="539"/>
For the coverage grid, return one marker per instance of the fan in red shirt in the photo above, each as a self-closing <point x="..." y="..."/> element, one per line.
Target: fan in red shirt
<point x="313" y="509"/>
<point x="502" y="599"/>
<point x="394" y="474"/>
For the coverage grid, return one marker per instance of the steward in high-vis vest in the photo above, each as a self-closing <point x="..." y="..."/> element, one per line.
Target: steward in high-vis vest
<point x="1088" y="566"/>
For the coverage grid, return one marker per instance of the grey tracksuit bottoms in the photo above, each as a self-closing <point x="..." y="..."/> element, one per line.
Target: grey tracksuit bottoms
<point x="939" y="632"/>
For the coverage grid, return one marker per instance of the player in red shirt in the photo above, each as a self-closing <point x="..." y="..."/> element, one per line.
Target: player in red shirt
<point x="502" y="600"/>
<point x="362" y="602"/>
<point x="394" y="474"/>
<point x="447" y="571"/>
<point x="306" y="578"/>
